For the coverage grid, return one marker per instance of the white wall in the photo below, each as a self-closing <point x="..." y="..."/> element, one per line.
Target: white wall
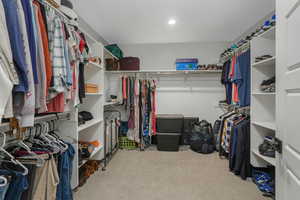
<point x="196" y="95"/>
<point x="191" y="95"/>
<point x="163" y="56"/>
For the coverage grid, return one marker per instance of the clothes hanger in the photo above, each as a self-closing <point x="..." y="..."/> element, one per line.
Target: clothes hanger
<point x="35" y="136"/>
<point x="56" y="140"/>
<point x="4" y="180"/>
<point x="49" y="139"/>
<point x="11" y="157"/>
<point x="227" y="113"/>
<point x="59" y="139"/>
<point x="20" y="143"/>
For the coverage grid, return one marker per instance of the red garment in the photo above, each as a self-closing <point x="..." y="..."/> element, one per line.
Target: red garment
<point x="57" y="104"/>
<point x="82" y="44"/>
<point x="74" y="82"/>
<point x="154" y="131"/>
<point x="235" y="93"/>
<point x="233" y="62"/>
<point x="20" y="153"/>
<point x="124" y="88"/>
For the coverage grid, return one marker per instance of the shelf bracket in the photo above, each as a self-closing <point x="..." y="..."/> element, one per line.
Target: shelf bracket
<point x="278" y="145"/>
<point x="185" y="76"/>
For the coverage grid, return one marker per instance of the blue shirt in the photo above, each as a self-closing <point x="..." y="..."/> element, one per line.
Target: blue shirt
<point x="227" y="82"/>
<point x="18" y="184"/>
<point x="243" y="78"/>
<point x="27" y="8"/>
<point x="16" y="42"/>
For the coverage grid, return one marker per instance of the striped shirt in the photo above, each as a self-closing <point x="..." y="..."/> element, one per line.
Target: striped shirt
<point x="57" y="51"/>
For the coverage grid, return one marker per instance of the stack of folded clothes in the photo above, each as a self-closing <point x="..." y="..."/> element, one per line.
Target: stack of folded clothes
<point x="85" y="149"/>
<point x="268" y="85"/>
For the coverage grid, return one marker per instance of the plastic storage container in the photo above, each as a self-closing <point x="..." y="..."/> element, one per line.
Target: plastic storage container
<point x="187" y="60"/>
<point x="168" y="141"/>
<point x="169" y="123"/>
<point x="186" y="66"/>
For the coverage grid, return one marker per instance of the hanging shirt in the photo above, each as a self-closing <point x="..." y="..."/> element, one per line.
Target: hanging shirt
<point x="16" y="42"/>
<point x="6" y="90"/>
<point x="243" y="78"/>
<point x="26" y="115"/>
<point x="233" y="62"/>
<point x="124" y="88"/>
<point x="45" y="44"/>
<point x="236" y="80"/>
<point x="226" y="81"/>
<point x="5" y="49"/>
<point x="28" y="13"/>
<point x="57" y="104"/>
<point x="41" y="87"/>
<point x="67" y="57"/>
<point x="56" y="46"/>
<point x="154" y="107"/>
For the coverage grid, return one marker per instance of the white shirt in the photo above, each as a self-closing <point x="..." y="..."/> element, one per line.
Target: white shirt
<point x="27" y="113"/>
<point x="6" y="90"/>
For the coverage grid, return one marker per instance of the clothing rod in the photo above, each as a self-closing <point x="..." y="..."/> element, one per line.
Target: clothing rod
<point x="5" y="127"/>
<point x="240" y="49"/>
<point x="65" y="18"/>
<point x="166" y="72"/>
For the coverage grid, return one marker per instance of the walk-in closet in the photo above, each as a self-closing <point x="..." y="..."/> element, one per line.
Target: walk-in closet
<point x="152" y="100"/>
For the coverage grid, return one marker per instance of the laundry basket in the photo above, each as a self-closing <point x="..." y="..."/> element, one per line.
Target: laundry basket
<point x="125" y="143"/>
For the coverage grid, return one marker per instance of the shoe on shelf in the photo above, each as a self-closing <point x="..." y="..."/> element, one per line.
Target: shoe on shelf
<point x="261" y="58"/>
<point x="267" y="148"/>
<point x="269" y="81"/>
<point x="267" y="25"/>
<point x="258" y="32"/>
<point x="273" y="20"/>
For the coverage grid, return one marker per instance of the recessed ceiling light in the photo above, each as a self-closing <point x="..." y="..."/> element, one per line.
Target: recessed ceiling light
<point x="172" y="22"/>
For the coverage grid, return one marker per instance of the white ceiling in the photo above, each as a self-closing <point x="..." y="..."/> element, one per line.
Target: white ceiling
<point x="146" y="21"/>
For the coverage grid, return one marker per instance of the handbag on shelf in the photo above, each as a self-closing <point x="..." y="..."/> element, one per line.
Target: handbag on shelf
<point x="130" y="63"/>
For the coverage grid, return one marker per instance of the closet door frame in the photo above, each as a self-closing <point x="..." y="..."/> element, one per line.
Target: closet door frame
<point x="288" y="98"/>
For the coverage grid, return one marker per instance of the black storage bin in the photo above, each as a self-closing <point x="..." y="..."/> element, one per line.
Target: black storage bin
<point x="187" y="129"/>
<point x="168" y="141"/>
<point x="169" y="123"/>
<point x="154" y="139"/>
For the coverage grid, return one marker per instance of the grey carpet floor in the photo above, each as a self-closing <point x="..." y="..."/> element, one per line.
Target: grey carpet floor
<point x="154" y="175"/>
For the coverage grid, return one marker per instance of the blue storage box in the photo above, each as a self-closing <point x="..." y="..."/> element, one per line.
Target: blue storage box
<point x="186" y="66"/>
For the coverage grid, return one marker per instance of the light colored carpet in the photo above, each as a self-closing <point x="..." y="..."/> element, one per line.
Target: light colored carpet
<point x="154" y="175"/>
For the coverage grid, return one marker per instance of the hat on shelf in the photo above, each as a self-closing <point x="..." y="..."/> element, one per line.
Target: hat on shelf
<point x="67" y="8"/>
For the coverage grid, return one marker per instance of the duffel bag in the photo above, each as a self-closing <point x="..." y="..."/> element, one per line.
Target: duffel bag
<point x="130" y="63"/>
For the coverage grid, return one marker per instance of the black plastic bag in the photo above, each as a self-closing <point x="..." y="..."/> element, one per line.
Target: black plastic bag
<point x="202" y="138"/>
